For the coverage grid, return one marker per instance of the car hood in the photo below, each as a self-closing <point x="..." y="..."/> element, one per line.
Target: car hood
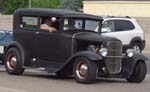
<point x="91" y="37"/>
<point x="94" y="37"/>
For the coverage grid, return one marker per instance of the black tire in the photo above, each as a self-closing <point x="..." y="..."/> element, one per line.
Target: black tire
<point x="13" y="63"/>
<point x="90" y="74"/>
<point x="139" y="73"/>
<point x="137" y="46"/>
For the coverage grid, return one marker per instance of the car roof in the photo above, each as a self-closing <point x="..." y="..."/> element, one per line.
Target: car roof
<point x="56" y="12"/>
<point x="117" y="18"/>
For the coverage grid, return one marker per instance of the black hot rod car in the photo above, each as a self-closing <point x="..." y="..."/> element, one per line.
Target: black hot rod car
<point x="72" y="49"/>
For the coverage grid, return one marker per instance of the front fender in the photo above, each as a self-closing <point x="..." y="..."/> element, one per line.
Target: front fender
<point x="139" y="56"/>
<point x="129" y="63"/>
<point x="87" y="54"/>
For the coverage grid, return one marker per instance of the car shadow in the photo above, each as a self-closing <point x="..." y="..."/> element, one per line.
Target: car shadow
<point x="44" y="75"/>
<point x="110" y="80"/>
<point x="55" y="77"/>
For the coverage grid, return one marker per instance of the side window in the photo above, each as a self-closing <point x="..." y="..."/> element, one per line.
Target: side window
<point x="49" y="23"/>
<point x="123" y="25"/>
<point x="108" y="26"/>
<point x="72" y="24"/>
<point x="78" y="24"/>
<point x="91" y="25"/>
<point x="29" y="22"/>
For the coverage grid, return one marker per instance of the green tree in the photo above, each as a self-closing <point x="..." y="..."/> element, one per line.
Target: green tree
<point x="8" y="6"/>
<point x="71" y="4"/>
<point x="45" y="3"/>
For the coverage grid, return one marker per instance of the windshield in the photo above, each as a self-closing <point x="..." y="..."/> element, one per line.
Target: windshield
<point x="84" y="24"/>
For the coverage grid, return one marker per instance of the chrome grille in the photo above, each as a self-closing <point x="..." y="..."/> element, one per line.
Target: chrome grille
<point x="113" y="60"/>
<point x="114" y="48"/>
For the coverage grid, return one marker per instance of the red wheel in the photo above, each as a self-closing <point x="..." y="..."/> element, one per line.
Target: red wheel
<point x="13" y="62"/>
<point x="85" y="70"/>
<point x="81" y="69"/>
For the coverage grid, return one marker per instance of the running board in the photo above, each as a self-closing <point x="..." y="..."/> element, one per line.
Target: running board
<point x="50" y="67"/>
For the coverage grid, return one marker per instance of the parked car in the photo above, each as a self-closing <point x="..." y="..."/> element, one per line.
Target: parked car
<point x="125" y="29"/>
<point x="73" y="49"/>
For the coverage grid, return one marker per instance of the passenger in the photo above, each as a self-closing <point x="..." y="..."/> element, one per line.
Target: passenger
<point x="47" y="25"/>
<point x="71" y="24"/>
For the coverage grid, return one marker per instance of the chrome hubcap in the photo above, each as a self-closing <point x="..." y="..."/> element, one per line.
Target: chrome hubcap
<point x="11" y="61"/>
<point x="81" y="70"/>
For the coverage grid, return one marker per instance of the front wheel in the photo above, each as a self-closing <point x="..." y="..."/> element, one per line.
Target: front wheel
<point x="13" y="62"/>
<point x="139" y="73"/>
<point x="84" y="70"/>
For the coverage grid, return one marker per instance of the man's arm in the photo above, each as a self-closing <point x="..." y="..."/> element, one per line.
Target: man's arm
<point x="46" y="27"/>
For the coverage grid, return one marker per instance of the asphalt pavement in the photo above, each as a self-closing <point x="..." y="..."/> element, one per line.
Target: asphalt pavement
<point x="40" y="81"/>
<point x="35" y="81"/>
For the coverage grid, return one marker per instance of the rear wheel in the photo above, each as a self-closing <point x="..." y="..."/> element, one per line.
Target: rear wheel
<point x="137" y="47"/>
<point x="13" y="62"/>
<point x="84" y="70"/>
<point x="139" y="73"/>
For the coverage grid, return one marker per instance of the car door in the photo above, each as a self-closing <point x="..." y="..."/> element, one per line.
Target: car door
<point x="121" y="29"/>
<point x="48" y="46"/>
<point x="26" y="35"/>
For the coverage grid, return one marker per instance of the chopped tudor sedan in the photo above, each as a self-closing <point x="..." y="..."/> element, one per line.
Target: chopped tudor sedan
<point x="73" y="49"/>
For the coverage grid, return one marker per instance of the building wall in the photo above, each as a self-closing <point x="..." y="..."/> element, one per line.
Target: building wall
<point x="6" y="22"/>
<point x="144" y="23"/>
<point x="118" y="8"/>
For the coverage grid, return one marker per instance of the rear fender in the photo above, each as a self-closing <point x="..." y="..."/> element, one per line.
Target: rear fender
<point x="20" y="48"/>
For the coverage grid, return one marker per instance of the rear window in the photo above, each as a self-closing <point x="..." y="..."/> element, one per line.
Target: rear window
<point x="29" y="22"/>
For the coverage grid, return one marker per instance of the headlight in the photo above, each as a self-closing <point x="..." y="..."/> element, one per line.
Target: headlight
<point x="103" y="51"/>
<point x="130" y="52"/>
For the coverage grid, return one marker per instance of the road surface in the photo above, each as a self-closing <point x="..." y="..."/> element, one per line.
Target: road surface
<point x="34" y="81"/>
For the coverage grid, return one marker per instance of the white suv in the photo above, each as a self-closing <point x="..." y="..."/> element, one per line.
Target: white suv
<point x="127" y="30"/>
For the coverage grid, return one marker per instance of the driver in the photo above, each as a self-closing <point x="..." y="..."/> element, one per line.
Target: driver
<point x="71" y="24"/>
<point x="47" y="25"/>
